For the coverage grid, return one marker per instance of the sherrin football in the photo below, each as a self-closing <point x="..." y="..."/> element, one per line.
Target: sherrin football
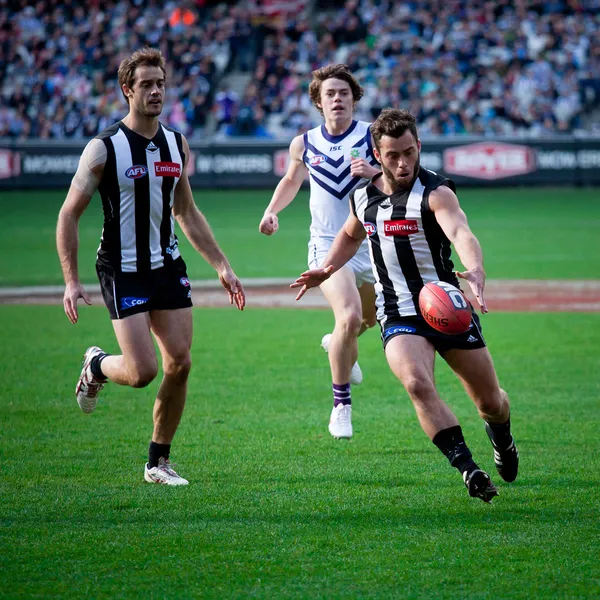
<point x="445" y="307"/>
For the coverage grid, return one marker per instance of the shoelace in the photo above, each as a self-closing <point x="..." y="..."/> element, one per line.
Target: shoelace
<point x="168" y="468"/>
<point x="92" y="388"/>
<point x="344" y="415"/>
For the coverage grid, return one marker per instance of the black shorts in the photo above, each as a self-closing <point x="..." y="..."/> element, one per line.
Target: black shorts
<point x="416" y="325"/>
<point x="127" y="294"/>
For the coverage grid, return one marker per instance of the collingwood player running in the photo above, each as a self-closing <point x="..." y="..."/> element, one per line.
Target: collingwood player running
<point x="337" y="155"/>
<point x="411" y="216"/>
<point x="139" y="167"/>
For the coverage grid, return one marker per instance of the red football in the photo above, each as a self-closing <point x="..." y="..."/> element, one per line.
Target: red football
<point x="445" y="307"/>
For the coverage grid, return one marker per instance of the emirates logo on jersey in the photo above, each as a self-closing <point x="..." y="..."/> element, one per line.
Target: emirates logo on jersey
<point x="400" y="227"/>
<point x="167" y="169"/>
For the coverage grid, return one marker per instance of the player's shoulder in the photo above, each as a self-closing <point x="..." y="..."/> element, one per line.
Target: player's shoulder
<point x="360" y="192"/>
<point x="432" y="181"/>
<point x="109" y="131"/>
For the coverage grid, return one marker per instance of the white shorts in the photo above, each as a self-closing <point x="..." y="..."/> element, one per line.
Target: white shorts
<point x="360" y="263"/>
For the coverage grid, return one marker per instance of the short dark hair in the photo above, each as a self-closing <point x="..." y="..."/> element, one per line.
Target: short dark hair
<point x="145" y="57"/>
<point x="393" y="122"/>
<point x="333" y="72"/>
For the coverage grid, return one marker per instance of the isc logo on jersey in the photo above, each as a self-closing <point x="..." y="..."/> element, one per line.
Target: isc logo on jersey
<point x="400" y="227"/>
<point x="167" y="169"/>
<point x="136" y="172"/>
<point x="316" y="160"/>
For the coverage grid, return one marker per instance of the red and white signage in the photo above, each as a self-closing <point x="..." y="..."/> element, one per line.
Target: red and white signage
<point x="400" y="227"/>
<point x="10" y="164"/>
<point x="489" y="160"/>
<point x="167" y="169"/>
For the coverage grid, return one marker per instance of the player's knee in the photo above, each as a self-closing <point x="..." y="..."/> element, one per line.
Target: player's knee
<point x="419" y="388"/>
<point x="493" y="403"/>
<point x="350" y="323"/>
<point x="178" y="367"/>
<point x="142" y="375"/>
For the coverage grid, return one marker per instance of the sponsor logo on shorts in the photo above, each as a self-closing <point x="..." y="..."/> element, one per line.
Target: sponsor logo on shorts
<point x="184" y="281"/>
<point x="189" y="295"/>
<point x="471" y="338"/>
<point x="398" y="329"/>
<point x="400" y="227"/>
<point x="370" y="228"/>
<point x="317" y="159"/>
<point x="170" y="249"/>
<point x="167" y="169"/>
<point x="130" y="302"/>
<point x="136" y="172"/>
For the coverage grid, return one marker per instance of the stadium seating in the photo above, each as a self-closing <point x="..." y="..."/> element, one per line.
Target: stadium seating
<point x="516" y="68"/>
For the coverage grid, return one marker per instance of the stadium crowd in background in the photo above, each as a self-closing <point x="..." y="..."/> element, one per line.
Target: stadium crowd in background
<point x="507" y="67"/>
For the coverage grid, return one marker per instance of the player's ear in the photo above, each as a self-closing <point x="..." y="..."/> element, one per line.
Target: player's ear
<point x="419" y="144"/>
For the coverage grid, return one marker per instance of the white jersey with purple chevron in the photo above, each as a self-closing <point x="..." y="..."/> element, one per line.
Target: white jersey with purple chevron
<point x="327" y="158"/>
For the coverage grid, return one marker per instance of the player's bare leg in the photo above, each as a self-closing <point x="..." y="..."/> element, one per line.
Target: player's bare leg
<point x="412" y="360"/>
<point x="173" y="332"/>
<point x="369" y="310"/>
<point x="136" y="366"/>
<point x="475" y="369"/>
<point x="343" y="297"/>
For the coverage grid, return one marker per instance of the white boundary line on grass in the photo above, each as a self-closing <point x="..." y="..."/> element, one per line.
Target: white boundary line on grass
<point x="200" y="284"/>
<point x="214" y="284"/>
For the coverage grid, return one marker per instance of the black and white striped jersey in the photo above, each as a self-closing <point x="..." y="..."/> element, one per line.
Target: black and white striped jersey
<point x="137" y="191"/>
<point x="408" y="247"/>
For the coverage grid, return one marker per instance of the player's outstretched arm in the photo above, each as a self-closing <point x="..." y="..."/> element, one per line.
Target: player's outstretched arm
<point x="453" y="221"/>
<point x="84" y="184"/>
<point x="286" y="189"/>
<point x="344" y="247"/>
<point x="197" y="230"/>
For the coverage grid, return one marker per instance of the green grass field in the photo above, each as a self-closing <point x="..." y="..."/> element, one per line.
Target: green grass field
<point x="525" y="233"/>
<point x="277" y="508"/>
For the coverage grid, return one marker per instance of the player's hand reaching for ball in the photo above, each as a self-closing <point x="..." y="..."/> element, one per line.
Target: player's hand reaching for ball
<point x="269" y="224"/>
<point x="310" y="279"/>
<point x="476" y="280"/>
<point x="234" y="288"/>
<point x="360" y="167"/>
<point x="73" y="292"/>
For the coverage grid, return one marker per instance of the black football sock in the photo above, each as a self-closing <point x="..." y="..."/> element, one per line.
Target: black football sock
<point x="451" y="444"/>
<point x="501" y="435"/>
<point x="157" y="451"/>
<point x="96" y="366"/>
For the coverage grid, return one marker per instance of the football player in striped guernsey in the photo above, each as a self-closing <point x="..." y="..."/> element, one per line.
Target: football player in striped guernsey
<point x="337" y="155"/>
<point x="138" y="165"/>
<point x="411" y="216"/>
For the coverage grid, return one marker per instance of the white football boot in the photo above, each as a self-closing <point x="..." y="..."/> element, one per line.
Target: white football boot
<point x="356" y="375"/>
<point x="163" y="473"/>
<point x="340" y="423"/>
<point x="88" y="387"/>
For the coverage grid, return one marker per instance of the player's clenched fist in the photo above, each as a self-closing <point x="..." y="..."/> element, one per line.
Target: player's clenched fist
<point x="269" y="224"/>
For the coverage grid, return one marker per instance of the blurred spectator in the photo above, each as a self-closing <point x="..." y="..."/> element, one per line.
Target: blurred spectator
<point x="511" y="67"/>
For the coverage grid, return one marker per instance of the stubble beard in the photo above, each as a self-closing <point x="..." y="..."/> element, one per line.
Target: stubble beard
<point x="401" y="185"/>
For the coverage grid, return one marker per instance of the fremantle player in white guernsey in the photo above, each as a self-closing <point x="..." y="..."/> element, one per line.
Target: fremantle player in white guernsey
<point x="139" y="167"/>
<point x="337" y="155"/>
<point x="411" y="216"/>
